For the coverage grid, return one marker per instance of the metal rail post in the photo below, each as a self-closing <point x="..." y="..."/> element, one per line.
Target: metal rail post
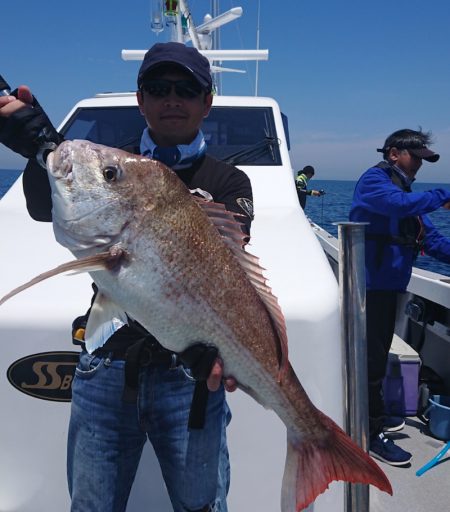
<point x="352" y="298"/>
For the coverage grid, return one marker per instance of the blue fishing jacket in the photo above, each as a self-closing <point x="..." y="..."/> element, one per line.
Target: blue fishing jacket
<point x="384" y="200"/>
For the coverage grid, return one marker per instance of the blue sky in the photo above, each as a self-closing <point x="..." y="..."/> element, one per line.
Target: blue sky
<point x="346" y="73"/>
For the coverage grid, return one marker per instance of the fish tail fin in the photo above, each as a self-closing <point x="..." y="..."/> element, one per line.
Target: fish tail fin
<point x="311" y="465"/>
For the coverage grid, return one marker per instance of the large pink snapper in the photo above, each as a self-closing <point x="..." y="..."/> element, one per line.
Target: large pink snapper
<point x="177" y="266"/>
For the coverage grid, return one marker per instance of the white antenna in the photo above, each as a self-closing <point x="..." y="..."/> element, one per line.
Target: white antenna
<point x="221" y="19"/>
<point x="257" y="47"/>
<point x="217" y="77"/>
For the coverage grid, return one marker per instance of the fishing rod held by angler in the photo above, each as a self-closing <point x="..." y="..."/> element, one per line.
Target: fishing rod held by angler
<point x="5" y="89"/>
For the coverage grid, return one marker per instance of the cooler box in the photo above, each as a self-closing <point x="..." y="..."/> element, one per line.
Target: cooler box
<point x="401" y="384"/>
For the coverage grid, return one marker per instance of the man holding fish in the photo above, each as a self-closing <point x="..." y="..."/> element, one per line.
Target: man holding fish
<point x="127" y="386"/>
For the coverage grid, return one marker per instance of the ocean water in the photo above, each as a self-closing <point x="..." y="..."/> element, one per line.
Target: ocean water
<point x="7" y="179"/>
<point x="332" y="207"/>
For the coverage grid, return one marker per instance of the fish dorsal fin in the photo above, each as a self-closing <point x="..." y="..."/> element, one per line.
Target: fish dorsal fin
<point x="90" y="264"/>
<point x="230" y="230"/>
<point x="105" y="318"/>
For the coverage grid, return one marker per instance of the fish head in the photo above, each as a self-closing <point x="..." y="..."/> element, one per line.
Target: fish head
<point x="97" y="191"/>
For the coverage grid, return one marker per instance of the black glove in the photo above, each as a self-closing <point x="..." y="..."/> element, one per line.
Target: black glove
<point x="29" y="131"/>
<point x="199" y="358"/>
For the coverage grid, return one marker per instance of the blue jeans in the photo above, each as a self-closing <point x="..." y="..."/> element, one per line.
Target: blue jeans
<point x="107" y="435"/>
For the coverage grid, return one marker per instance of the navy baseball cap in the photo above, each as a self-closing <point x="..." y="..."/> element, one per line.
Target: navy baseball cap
<point x="186" y="57"/>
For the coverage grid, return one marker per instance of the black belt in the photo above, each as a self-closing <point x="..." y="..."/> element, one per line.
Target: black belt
<point x="144" y="352"/>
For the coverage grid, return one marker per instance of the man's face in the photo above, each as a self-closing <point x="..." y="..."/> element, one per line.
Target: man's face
<point x="406" y="161"/>
<point x="173" y="119"/>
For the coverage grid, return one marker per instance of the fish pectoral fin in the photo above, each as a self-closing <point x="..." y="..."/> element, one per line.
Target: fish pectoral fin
<point x="105" y="318"/>
<point x="99" y="261"/>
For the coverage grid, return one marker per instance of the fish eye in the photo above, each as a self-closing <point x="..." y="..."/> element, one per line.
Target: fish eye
<point x="111" y="173"/>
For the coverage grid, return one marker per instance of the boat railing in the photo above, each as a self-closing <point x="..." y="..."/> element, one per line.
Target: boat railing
<point x="352" y="298"/>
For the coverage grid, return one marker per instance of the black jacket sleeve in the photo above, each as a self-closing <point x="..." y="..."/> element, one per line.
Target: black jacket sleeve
<point x="37" y="192"/>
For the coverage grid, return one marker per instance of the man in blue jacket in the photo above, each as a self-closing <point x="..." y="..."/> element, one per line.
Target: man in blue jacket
<point x="398" y="229"/>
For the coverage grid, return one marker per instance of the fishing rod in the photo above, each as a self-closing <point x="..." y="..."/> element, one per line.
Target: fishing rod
<point x="5" y="89"/>
<point x="321" y="195"/>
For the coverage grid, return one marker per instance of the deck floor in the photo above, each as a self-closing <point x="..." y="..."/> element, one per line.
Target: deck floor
<point x="431" y="491"/>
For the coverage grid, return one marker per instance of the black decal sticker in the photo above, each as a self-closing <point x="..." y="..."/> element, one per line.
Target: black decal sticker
<point x="47" y="375"/>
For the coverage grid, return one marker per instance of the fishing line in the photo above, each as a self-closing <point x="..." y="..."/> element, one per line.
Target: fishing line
<point x="321" y="221"/>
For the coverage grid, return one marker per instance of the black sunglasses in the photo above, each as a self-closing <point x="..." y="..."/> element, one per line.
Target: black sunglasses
<point x="160" y="88"/>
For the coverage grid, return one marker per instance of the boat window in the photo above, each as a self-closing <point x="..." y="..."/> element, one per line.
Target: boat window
<point x="241" y="135"/>
<point x="245" y="133"/>
<point x="286" y="129"/>
<point x="117" y="127"/>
